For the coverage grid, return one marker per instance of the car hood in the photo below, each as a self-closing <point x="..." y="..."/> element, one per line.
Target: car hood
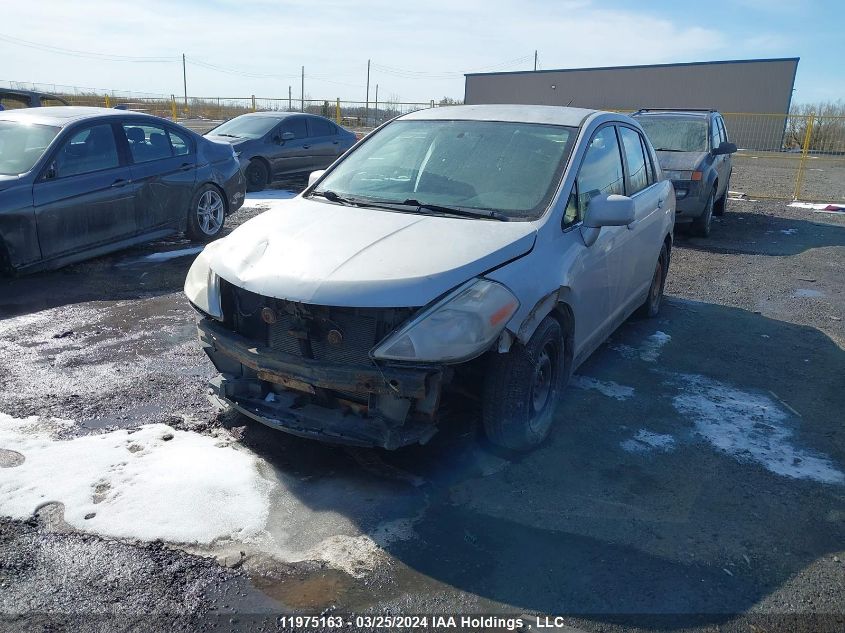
<point x="680" y="160"/>
<point x="8" y="181"/>
<point x="327" y="254"/>
<point x="228" y="140"/>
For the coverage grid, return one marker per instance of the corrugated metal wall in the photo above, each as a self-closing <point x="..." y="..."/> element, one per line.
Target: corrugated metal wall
<point x="745" y="86"/>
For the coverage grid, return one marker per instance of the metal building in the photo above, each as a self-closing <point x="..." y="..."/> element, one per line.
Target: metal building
<point x="738" y="87"/>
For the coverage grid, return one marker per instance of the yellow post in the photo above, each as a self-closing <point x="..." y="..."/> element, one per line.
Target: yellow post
<point x="805" y="148"/>
<point x="173" y="108"/>
<point x="108" y="102"/>
<point x="337" y="111"/>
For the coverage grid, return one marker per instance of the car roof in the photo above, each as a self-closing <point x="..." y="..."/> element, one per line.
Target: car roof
<point x="552" y="115"/>
<point x="701" y="114"/>
<point x="276" y="115"/>
<point x="61" y="115"/>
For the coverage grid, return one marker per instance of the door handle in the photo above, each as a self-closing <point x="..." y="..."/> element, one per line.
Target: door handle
<point x="120" y="182"/>
<point x="306" y="147"/>
<point x="335" y="142"/>
<point x="185" y="166"/>
<point x="660" y="203"/>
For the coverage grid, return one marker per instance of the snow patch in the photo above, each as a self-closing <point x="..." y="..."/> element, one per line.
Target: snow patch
<point x="750" y="428"/>
<point x="649" y="350"/>
<point x="163" y="256"/>
<point x="807" y="293"/>
<point x="188" y="488"/>
<point x="646" y="441"/>
<point x="608" y="388"/>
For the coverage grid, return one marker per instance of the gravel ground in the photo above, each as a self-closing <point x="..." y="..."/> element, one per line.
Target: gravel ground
<point x="767" y="175"/>
<point x="693" y="480"/>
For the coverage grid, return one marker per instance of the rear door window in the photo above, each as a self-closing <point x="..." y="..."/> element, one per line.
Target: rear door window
<point x="147" y="142"/>
<point x="181" y="143"/>
<point x="635" y="158"/>
<point x="89" y="150"/>
<point x="321" y="127"/>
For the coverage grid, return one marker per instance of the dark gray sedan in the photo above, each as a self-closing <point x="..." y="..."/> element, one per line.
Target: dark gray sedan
<point x="80" y="182"/>
<point x="271" y="145"/>
<point x="695" y="154"/>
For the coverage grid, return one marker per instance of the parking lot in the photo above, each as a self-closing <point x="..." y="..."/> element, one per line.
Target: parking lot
<point x="696" y="477"/>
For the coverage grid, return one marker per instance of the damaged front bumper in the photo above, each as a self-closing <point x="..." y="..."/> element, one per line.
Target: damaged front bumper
<point x="375" y="406"/>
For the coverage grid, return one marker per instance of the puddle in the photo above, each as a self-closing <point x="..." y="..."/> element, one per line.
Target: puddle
<point x="807" y="293"/>
<point x="313" y="589"/>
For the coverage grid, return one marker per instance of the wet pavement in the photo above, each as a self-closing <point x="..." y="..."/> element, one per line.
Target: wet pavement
<point x="694" y="480"/>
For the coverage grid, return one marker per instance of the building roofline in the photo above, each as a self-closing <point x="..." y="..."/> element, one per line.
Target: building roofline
<point x="573" y="70"/>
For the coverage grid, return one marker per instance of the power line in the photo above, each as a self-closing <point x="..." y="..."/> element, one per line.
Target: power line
<point x="87" y="54"/>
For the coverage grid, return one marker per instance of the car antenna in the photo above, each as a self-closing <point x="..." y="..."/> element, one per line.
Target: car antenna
<point x="570" y="102"/>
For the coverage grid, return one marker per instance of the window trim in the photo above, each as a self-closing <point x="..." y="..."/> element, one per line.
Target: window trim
<point x="71" y="131"/>
<point x="646" y="159"/>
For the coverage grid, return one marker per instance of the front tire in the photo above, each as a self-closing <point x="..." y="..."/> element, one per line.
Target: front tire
<point x="522" y="387"/>
<point x="722" y="203"/>
<point x="701" y="225"/>
<point x="256" y="175"/>
<point x="207" y="214"/>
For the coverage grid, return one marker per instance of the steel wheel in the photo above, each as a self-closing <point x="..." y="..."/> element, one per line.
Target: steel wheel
<point x="545" y="375"/>
<point x="210" y="212"/>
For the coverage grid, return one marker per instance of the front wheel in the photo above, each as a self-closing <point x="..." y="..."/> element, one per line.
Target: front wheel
<point x="521" y="388"/>
<point x="256" y="175"/>
<point x="206" y="215"/>
<point x="701" y="225"/>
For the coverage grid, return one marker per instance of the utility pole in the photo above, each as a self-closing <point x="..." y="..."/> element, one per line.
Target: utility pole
<point x="302" y="103"/>
<point x="535" y="61"/>
<point x="185" y="81"/>
<point x="290" y="99"/>
<point x="367" y="106"/>
<point x="376" y="108"/>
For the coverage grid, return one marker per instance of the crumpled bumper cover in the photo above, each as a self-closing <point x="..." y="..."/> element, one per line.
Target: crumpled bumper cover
<point x="246" y="370"/>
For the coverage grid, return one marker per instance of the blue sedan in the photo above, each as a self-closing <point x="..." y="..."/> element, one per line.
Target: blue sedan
<point x="79" y="182"/>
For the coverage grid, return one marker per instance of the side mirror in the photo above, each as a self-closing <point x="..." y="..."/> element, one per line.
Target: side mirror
<point x="287" y="136"/>
<point x="724" y="148"/>
<point x="314" y="176"/>
<point x="612" y="210"/>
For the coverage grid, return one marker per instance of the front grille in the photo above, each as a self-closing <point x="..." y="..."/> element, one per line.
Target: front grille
<point x="332" y="334"/>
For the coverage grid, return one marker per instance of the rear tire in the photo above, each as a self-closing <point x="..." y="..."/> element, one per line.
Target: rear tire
<point x="256" y="175"/>
<point x="651" y="307"/>
<point x="522" y="387"/>
<point x="701" y="225"/>
<point x="207" y="214"/>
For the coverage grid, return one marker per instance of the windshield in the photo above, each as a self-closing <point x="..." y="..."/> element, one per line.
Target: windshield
<point x="246" y="126"/>
<point x="22" y="144"/>
<point x="675" y="134"/>
<point x="510" y="168"/>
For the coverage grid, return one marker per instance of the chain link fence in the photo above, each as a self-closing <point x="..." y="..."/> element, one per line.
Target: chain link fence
<point x="781" y="156"/>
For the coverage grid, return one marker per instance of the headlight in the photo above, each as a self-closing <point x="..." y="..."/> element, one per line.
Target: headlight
<point x="202" y="286"/>
<point x="677" y="175"/>
<point x="458" y="328"/>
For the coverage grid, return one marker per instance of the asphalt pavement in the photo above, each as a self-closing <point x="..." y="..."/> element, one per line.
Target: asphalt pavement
<point x="694" y="480"/>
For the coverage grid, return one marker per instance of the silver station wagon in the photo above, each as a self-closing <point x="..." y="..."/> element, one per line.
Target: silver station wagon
<point x="472" y="249"/>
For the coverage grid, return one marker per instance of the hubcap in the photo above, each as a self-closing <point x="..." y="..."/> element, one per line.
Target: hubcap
<point x="255" y="176"/>
<point x="210" y="211"/>
<point x="544" y="375"/>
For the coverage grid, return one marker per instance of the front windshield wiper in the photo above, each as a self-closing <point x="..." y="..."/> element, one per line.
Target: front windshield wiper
<point x="229" y="135"/>
<point x="331" y="196"/>
<point x="459" y="211"/>
<point x="666" y="149"/>
<point x="418" y="206"/>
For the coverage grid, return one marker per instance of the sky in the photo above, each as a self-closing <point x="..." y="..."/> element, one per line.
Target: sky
<point x="418" y="51"/>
